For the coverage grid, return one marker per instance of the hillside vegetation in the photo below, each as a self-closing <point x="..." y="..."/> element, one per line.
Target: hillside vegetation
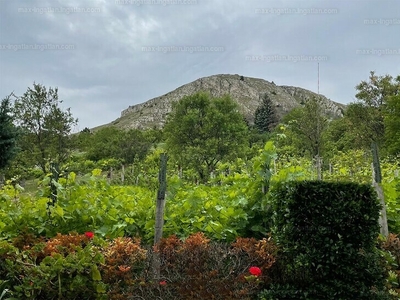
<point x="78" y="212"/>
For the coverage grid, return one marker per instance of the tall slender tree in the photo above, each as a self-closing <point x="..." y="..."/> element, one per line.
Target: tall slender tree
<point x="375" y="97"/>
<point x="45" y="126"/>
<point x="8" y="134"/>
<point x="265" y="118"/>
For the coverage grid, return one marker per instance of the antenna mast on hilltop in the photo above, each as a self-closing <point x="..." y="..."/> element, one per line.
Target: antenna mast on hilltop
<point x="318" y="78"/>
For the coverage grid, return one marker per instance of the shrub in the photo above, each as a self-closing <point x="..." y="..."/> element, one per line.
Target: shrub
<point x="123" y="267"/>
<point x="197" y="268"/>
<point x="80" y="266"/>
<point x="64" y="267"/>
<point x="326" y="233"/>
<point x="390" y="250"/>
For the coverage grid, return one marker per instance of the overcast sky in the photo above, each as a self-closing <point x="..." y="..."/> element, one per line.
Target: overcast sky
<point x="104" y="55"/>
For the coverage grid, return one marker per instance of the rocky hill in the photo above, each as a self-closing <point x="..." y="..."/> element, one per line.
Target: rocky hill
<point x="245" y="91"/>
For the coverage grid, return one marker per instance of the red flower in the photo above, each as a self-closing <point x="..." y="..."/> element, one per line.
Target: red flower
<point x="163" y="282"/>
<point x="89" y="234"/>
<point x="256" y="271"/>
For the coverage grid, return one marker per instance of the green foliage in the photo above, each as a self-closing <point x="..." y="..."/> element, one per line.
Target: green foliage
<point x="392" y="125"/>
<point x="201" y="131"/>
<point x="90" y="204"/>
<point x="377" y="89"/>
<point x="373" y="118"/>
<point x="365" y="124"/>
<point x="327" y="232"/>
<point x="338" y="138"/>
<point x="64" y="267"/>
<point x="259" y="212"/>
<point x="8" y="134"/>
<point x="390" y="251"/>
<point x="367" y="116"/>
<point x="45" y="126"/>
<point x="232" y="203"/>
<point x="220" y="212"/>
<point x="353" y="165"/>
<point x="112" y="142"/>
<point x="391" y="189"/>
<point x="265" y="118"/>
<point x="84" y="267"/>
<point x="305" y="127"/>
<point x="81" y="141"/>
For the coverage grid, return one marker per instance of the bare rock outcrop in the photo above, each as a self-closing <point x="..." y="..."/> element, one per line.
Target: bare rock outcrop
<point x="246" y="91"/>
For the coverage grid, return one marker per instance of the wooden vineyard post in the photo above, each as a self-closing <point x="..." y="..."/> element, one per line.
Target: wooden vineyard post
<point x="160" y="204"/>
<point x="376" y="182"/>
<point x="161" y="198"/>
<point x="55" y="172"/>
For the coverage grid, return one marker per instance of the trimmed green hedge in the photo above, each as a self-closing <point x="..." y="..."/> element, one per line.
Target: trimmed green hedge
<point x="326" y="232"/>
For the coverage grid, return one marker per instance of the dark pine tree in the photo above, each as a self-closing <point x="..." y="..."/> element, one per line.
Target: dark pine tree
<point x="8" y="134"/>
<point x="265" y="118"/>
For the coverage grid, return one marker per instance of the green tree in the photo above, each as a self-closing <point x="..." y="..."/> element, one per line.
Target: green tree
<point x="8" y="134"/>
<point x="373" y="106"/>
<point x="338" y="138"/>
<point x="376" y="91"/>
<point x="136" y="144"/>
<point x="368" y="114"/>
<point x="265" y="118"/>
<point x="305" y="128"/>
<point x="102" y="143"/>
<point x="202" y="131"/>
<point x="45" y="126"/>
<point x="112" y="142"/>
<point x="392" y="125"/>
<point x="81" y="141"/>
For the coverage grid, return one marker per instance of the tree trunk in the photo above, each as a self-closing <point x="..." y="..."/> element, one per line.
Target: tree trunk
<point x="318" y="161"/>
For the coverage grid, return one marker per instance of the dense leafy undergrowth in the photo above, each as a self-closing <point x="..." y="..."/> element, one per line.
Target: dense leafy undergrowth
<point x="84" y="266"/>
<point x="87" y="267"/>
<point x="44" y="252"/>
<point x="232" y="204"/>
<point x="111" y="211"/>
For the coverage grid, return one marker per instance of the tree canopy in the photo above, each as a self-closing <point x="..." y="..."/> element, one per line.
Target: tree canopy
<point x="305" y="127"/>
<point x="202" y="131"/>
<point x="45" y="126"/>
<point x="123" y="145"/>
<point x="265" y="118"/>
<point x="377" y="101"/>
<point x="392" y="125"/>
<point x="8" y="134"/>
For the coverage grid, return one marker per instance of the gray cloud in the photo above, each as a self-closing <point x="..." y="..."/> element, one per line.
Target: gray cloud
<point x="124" y="54"/>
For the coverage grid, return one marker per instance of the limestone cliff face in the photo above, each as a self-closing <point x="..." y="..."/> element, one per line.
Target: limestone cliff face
<point x="245" y="91"/>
